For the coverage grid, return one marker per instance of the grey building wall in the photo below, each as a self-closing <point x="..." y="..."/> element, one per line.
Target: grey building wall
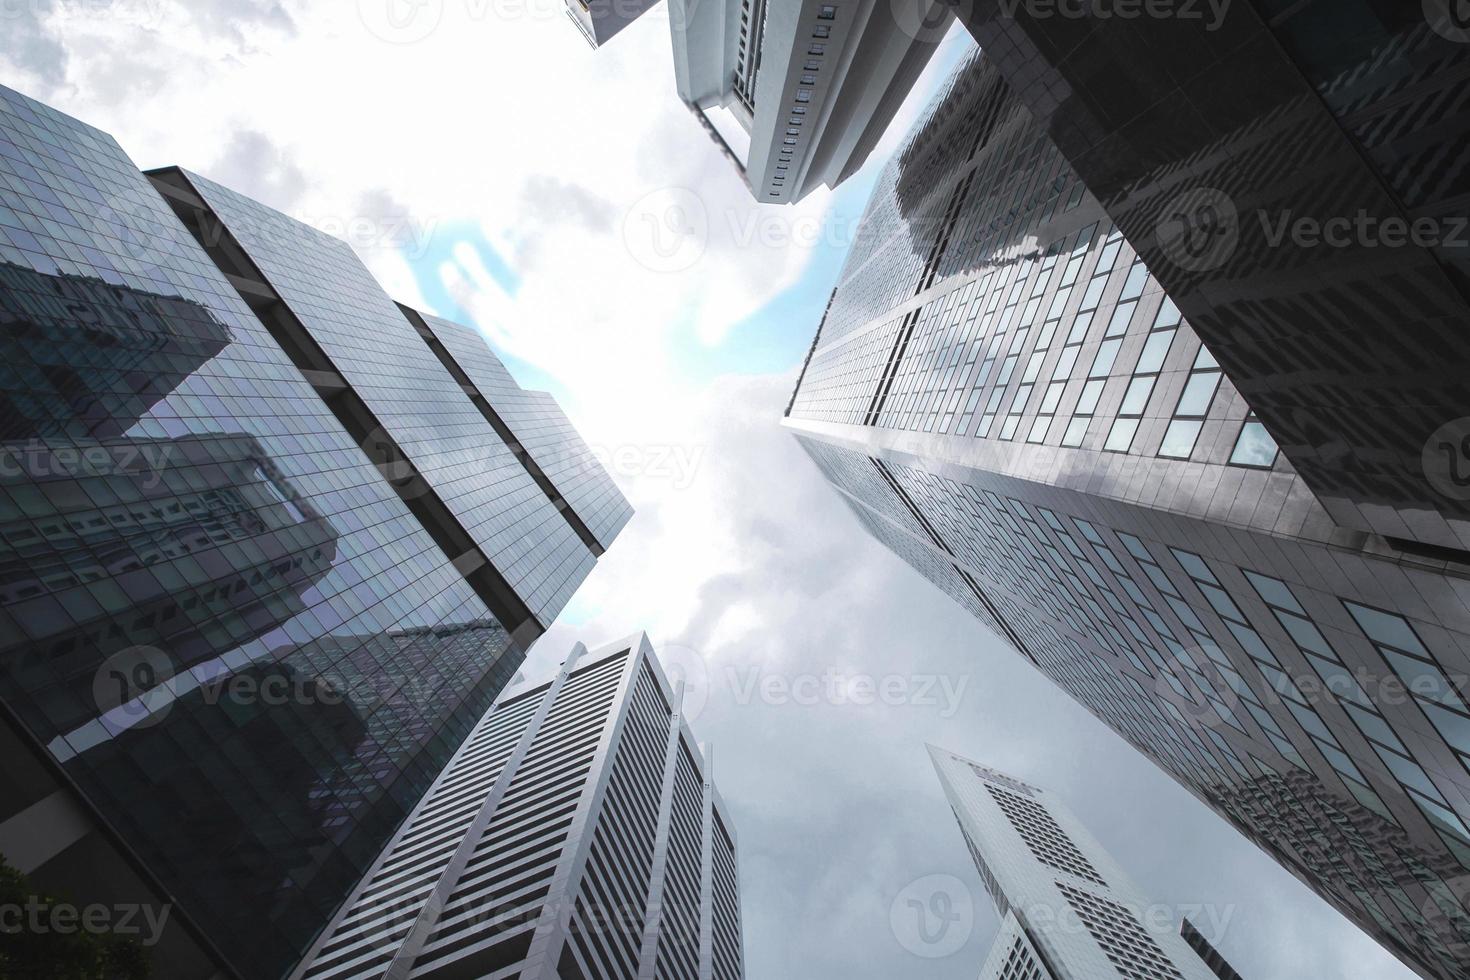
<point x="1007" y="398"/>
<point x="576" y="833"/>
<point x="813" y="84"/>
<point x="1210" y="139"/>
<point x="600" y="20"/>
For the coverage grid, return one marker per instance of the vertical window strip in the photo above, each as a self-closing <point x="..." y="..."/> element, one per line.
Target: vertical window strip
<point x="1193" y="405"/>
<point x="1076" y="429"/>
<point x="1144" y="379"/>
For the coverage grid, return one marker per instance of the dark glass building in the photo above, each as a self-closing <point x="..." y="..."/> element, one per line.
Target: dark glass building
<point x="272" y="546"/>
<point x="1011" y="396"/>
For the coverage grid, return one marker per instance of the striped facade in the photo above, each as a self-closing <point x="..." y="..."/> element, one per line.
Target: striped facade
<point x="575" y="834"/>
<point x="1068" y="910"/>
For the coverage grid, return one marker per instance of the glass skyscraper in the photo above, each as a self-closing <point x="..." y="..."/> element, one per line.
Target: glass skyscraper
<point x="272" y="546"/>
<point x="1008" y="398"/>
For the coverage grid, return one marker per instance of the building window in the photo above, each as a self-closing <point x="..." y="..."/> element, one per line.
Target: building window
<point x="1276" y="677"/>
<point x="1434" y="693"/>
<point x="1081" y="322"/>
<point x="1254" y="446"/>
<point x="1194" y="405"/>
<point x="1145" y="375"/>
<point x="827" y="12"/>
<point x="1399" y="761"/>
<point x="1044" y="837"/>
<point x="822" y="30"/>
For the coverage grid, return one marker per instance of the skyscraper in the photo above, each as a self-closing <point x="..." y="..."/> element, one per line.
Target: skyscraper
<point x="599" y="20"/>
<point x="796" y="94"/>
<point x="1309" y="219"/>
<point x="273" y="544"/>
<point x="1007" y="398"/>
<point x="1068" y="910"/>
<point x="810" y="86"/>
<point x="576" y="833"/>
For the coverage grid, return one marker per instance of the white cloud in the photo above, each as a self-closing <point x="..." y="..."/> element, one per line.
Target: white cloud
<point x="497" y="118"/>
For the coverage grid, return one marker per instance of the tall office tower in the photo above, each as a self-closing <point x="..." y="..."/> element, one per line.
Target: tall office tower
<point x="1005" y="396"/>
<point x="273" y="545"/>
<point x="599" y="20"/>
<point x="796" y="94"/>
<point x="1309" y="219"/>
<point x="575" y="834"/>
<point x="1068" y="911"/>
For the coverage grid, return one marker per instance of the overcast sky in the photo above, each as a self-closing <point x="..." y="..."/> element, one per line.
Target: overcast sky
<point x="491" y="168"/>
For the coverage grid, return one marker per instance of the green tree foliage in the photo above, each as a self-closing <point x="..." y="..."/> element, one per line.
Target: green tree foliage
<point x="27" y="953"/>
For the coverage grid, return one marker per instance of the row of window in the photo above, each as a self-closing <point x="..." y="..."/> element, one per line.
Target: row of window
<point x="821" y="31"/>
<point x="1142" y="713"/>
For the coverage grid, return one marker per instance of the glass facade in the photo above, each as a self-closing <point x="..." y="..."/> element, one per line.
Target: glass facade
<point x="539" y="425"/>
<point x="1008" y="399"/>
<point x="237" y="637"/>
<point x="1293" y="172"/>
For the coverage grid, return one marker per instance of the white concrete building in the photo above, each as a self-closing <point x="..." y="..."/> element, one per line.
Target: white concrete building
<point x="800" y="93"/>
<point x="576" y="834"/>
<point x="1068" y="910"/>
